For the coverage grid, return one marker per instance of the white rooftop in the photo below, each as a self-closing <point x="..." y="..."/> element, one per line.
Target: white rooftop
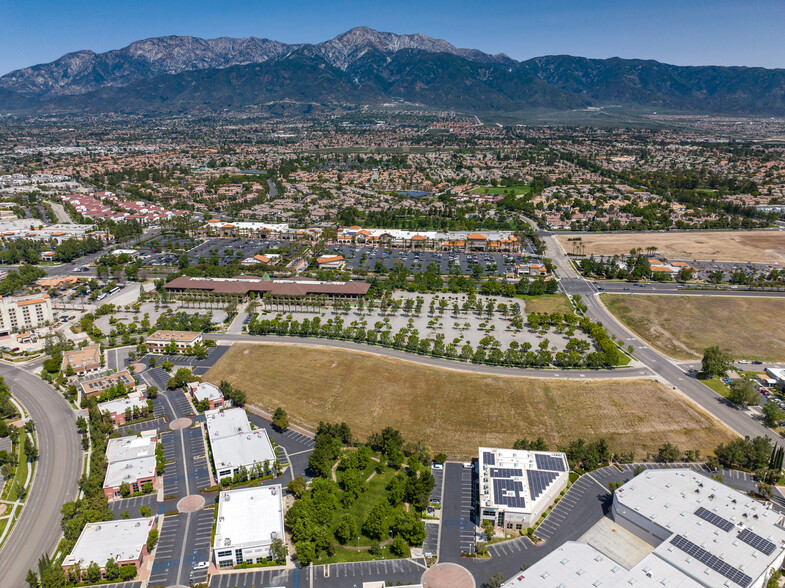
<point x="207" y="391"/>
<point x="249" y="517"/>
<point x="131" y="447"/>
<point x="242" y="450"/>
<point x="674" y="500"/>
<point x="121" y="540"/>
<point x="579" y="565"/>
<point x="228" y="422"/>
<point x="517" y="479"/>
<point x="118" y="405"/>
<point x="129" y="471"/>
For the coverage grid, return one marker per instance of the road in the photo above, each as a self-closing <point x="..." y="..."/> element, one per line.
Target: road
<point x="59" y="466"/>
<point x="673" y="288"/>
<point x="669" y="372"/>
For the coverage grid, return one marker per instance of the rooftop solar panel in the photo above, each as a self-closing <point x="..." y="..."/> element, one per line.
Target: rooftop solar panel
<point x="550" y="462"/>
<point x="712" y="561"/>
<point x="757" y="542"/>
<point x="714" y="519"/>
<point x="488" y="458"/>
<point x="508" y="492"/>
<point x="505" y="472"/>
<point x="539" y="482"/>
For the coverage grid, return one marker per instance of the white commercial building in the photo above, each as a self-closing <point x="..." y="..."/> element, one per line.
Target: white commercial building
<point x="234" y="444"/>
<point x="20" y="314"/>
<point x="517" y="485"/>
<point x="131" y="447"/>
<point x="124" y="541"/>
<point x="248" y="521"/>
<point x="701" y="532"/>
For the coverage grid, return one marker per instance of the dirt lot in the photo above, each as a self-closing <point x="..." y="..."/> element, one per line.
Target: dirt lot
<point x="455" y="411"/>
<point x="744" y="246"/>
<point x="683" y="326"/>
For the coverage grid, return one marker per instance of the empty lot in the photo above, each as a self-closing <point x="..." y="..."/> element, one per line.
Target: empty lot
<point x="683" y="326"/>
<point x="455" y="411"/>
<point x="743" y="246"/>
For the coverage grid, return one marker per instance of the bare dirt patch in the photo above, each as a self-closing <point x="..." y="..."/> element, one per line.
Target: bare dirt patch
<point x="683" y="326"/>
<point x="743" y="246"/>
<point x="454" y="411"/>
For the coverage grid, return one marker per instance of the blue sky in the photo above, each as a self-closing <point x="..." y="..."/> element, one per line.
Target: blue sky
<point x="683" y="32"/>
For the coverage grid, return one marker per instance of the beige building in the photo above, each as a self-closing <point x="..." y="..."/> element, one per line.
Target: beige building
<point x="182" y="339"/>
<point x="21" y="314"/>
<point x="83" y="361"/>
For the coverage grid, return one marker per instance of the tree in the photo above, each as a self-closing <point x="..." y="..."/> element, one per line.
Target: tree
<point x="145" y="511"/>
<point x="152" y="392"/>
<point x="399" y="547"/>
<point x="743" y="393"/>
<point x="92" y="573"/>
<point x="111" y="570"/>
<point x="127" y="572"/>
<point x="279" y="550"/>
<point x="152" y="539"/>
<point x="30" y="449"/>
<point x="125" y="489"/>
<point x="32" y="579"/>
<point x="305" y="551"/>
<point x="495" y="580"/>
<point x="280" y="420"/>
<point x="715" y="362"/>
<point x="346" y="529"/>
<point x="297" y="486"/>
<point x="668" y="453"/>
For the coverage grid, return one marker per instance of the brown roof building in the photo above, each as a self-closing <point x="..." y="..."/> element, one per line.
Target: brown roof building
<point x="293" y="287"/>
<point x="83" y="361"/>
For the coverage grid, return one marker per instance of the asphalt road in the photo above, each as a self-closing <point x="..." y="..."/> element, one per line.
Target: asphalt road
<point x="673" y="288"/>
<point x="59" y="466"/>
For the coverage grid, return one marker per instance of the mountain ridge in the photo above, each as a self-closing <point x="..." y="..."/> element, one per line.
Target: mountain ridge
<point x="363" y="66"/>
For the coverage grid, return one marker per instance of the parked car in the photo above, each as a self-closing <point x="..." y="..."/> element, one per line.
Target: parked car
<point x="743" y="361"/>
<point x="467" y="465"/>
<point x="437" y="466"/>
<point x="201" y="565"/>
<point x="757" y="362"/>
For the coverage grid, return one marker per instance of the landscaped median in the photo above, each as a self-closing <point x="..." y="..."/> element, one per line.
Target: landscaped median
<point x="20" y="465"/>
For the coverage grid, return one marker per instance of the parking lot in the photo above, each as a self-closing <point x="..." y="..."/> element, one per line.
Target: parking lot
<point x="406" y="571"/>
<point x="458" y="528"/>
<point x="257" y="579"/>
<point x="132" y="429"/>
<point x="199" y="366"/>
<point x="298" y="446"/>
<point x="367" y="258"/>
<point x="164" y="570"/>
<point x="198" y="545"/>
<point x="132" y="505"/>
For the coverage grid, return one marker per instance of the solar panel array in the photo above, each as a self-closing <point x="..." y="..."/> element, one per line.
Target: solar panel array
<point x="501" y="485"/>
<point x="505" y="472"/>
<point x="757" y="542"/>
<point x="714" y="519"/>
<point x="539" y="481"/>
<point x="488" y="458"/>
<point x="549" y="462"/>
<point x="712" y="561"/>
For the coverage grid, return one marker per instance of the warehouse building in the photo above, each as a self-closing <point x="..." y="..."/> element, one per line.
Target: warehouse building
<point x="700" y="533"/>
<point x="124" y="541"/>
<point x="234" y="443"/>
<point x="248" y="521"/>
<point x="517" y="486"/>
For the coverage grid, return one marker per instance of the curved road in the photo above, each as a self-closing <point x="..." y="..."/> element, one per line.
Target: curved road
<point x="59" y="466"/>
<point x="668" y="371"/>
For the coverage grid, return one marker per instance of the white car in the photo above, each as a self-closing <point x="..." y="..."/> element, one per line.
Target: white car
<point x="467" y="465"/>
<point x="201" y="565"/>
<point x="437" y="466"/>
<point x="743" y="361"/>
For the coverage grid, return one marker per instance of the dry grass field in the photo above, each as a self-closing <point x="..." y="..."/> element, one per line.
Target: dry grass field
<point x="455" y="411"/>
<point x="683" y="326"/>
<point x="743" y="246"/>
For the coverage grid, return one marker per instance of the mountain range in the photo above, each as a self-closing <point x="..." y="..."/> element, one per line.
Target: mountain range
<point x="178" y="74"/>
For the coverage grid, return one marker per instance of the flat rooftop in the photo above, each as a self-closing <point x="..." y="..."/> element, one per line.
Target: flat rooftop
<point x="118" y="405"/>
<point x="242" y="450"/>
<point x="207" y="391"/>
<point x="131" y="447"/>
<point x="129" y="470"/>
<point x="516" y="479"/>
<point x="226" y="423"/>
<point x="179" y="336"/>
<point x="249" y="516"/>
<point x="87" y="357"/>
<point x="121" y="540"/>
<point x="701" y="519"/>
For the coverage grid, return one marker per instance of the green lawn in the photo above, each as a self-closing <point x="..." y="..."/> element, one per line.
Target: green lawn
<point x="375" y="492"/>
<point x="21" y="470"/>
<point x="516" y="190"/>
<point x="344" y="555"/>
<point x="718" y="386"/>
